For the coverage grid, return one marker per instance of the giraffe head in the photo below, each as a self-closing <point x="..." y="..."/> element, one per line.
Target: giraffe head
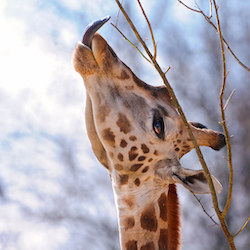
<point x="136" y="133"/>
<point x="134" y="128"/>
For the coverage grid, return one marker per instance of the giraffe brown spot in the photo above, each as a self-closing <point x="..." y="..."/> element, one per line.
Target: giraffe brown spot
<point x="129" y="201"/>
<point x="129" y="223"/>
<point x="148" y="246"/>
<point x="132" y="154"/>
<point x="123" y="144"/>
<point x="144" y="148"/>
<point x="129" y="87"/>
<point x="144" y="170"/>
<point x="109" y="136"/>
<point x="120" y="157"/>
<point x="123" y="179"/>
<point x="123" y="76"/>
<point x="181" y="132"/>
<point x="162" y="202"/>
<point x="104" y="111"/>
<point x="137" y="182"/>
<point x="177" y="149"/>
<point x="148" y="178"/>
<point x="163" y="239"/>
<point x="132" y="138"/>
<point x="131" y="245"/>
<point x="141" y="158"/>
<point x="123" y="123"/>
<point x="178" y="141"/>
<point x="156" y="152"/>
<point x="135" y="167"/>
<point x="118" y="167"/>
<point x="149" y="160"/>
<point x="148" y="219"/>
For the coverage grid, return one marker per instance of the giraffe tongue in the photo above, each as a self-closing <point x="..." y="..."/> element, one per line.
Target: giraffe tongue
<point x="91" y="29"/>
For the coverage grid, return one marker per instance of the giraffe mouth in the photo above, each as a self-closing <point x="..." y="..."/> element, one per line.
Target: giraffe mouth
<point x="91" y="30"/>
<point x="93" y="55"/>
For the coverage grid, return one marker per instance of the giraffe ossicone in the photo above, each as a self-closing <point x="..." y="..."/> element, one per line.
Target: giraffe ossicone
<point x="136" y="133"/>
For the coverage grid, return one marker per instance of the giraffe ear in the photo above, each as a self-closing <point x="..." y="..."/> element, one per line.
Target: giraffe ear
<point x="195" y="180"/>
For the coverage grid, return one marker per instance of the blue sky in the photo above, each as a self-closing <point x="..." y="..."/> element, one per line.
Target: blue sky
<point x="42" y="103"/>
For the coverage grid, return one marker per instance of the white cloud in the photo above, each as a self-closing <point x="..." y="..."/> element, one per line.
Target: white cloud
<point x="37" y="235"/>
<point x="41" y="99"/>
<point x="97" y="7"/>
<point x="37" y="76"/>
<point x="30" y="56"/>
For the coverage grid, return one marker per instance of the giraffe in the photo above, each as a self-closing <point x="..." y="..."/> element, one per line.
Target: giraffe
<point x="138" y="136"/>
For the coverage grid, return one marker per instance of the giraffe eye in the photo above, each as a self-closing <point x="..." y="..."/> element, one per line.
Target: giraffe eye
<point x="158" y="126"/>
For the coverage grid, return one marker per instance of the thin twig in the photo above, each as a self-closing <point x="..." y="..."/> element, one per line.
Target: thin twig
<point x="223" y="116"/>
<point x="204" y="210"/>
<point x="229" y="98"/>
<point x="208" y="19"/>
<point x="167" y="70"/>
<point x="150" y="28"/>
<point x="188" y="7"/>
<point x="227" y="137"/>
<point x="210" y="9"/>
<point x="130" y="42"/>
<point x="242" y="227"/>
<point x="117" y="17"/>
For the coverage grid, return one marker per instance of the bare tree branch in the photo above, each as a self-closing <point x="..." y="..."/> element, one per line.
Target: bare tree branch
<point x="242" y="227"/>
<point x="150" y="28"/>
<point x="222" y="215"/>
<point x="167" y="70"/>
<point x="210" y="9"/>
<point x="131" y="42"/>
<point x="228" y="99"/>
<point x="204" y="210"/>
<point x="178" y="107"/>
<point x="208" y="19"/>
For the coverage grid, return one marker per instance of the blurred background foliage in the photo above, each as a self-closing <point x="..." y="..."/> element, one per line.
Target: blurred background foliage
<point x="53" y="192"/>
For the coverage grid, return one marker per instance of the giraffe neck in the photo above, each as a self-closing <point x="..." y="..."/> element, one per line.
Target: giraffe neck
<point x="148" y="216"/>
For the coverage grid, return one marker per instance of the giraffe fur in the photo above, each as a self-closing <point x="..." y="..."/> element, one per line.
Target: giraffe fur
<point x="137" y="134"/>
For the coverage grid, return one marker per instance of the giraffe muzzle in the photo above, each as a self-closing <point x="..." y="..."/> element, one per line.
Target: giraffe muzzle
<point x="91" y="30"/>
